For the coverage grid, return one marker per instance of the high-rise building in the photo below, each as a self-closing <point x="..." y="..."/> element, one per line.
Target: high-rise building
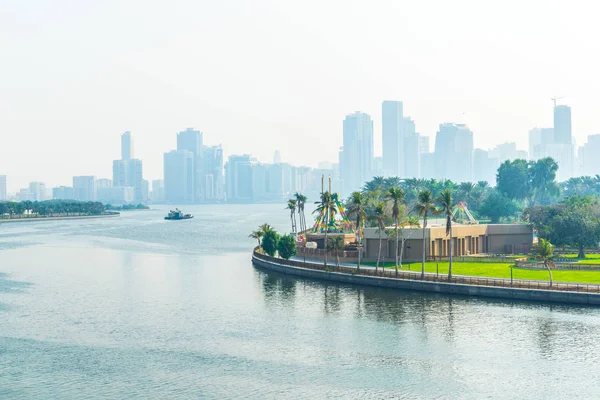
<point x="412" y="156"/>
<point x="103" y="183"/>
<point x="539" y="140"/>
<point x="128" y="172"/>
<point x="191" y="140"/>
<point x="84" y="188"/>
<point x="391" y="137"/>
<point x="158" y="191"/>
<point x="427" y="165"/>
<point x="507" y="151"/>
<point x="126" y="150"/>
<point x="3" y="193"/>
<point x="454" y="153"/>
<point x="562" y="125"/>
<point x="239" y="177"/>
<point x="277" y="157"/>
<point x="356" y="158"/>
<point x="179" y="176"/>
<point x="37" y="191"/>
<point x="62" y="193"/>
<point x="424" y="144"/>
<point x="484" y="167"/>
<point x="589" y="156"/>
<point x="212" y="158"/>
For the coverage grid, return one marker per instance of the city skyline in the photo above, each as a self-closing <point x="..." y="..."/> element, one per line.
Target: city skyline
<point x="453" y="157"/>
<point x="301" y="72"/>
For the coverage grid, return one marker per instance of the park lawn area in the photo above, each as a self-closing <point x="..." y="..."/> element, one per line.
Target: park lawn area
<point x="502" y="270"/>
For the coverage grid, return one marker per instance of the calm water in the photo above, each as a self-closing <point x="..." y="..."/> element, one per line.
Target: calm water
<point x="139" y="307"/>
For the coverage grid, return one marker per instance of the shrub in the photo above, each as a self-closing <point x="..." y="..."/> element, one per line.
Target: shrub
<point x="269" y="243"/>
<point x="286" y="246"/>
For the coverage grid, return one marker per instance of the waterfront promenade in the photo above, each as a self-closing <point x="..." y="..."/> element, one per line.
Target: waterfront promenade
<point x="515" y="289"/>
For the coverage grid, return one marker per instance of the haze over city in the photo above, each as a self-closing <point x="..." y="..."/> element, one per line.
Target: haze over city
<point x="261" y="76"/>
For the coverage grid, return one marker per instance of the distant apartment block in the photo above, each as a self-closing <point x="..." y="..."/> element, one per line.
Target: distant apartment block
<point x="357" y="154"/>
<point x="179" y="176"/>
<point x="62" y="193"/>
<point x="84" y="188"/>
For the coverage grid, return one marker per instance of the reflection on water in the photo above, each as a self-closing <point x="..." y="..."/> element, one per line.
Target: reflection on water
<point x="138" y="308"/>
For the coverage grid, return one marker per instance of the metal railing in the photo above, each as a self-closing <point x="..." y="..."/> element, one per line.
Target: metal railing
<point x="431" y="277"/>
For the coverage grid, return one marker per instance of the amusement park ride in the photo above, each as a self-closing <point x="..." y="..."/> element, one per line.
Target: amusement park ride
<point x="326" y="220"/>
<point x="462" y="210"/>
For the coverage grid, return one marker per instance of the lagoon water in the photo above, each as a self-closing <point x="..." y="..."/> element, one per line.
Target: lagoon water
<point x="138" y="307"/>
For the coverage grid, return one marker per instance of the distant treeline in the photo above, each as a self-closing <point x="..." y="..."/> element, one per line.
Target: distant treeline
<point x="126" y="207"/>
<point x="49" y="208"/>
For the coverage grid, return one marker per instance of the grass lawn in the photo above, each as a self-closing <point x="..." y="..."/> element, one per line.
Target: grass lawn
<point x="502" y="270"/>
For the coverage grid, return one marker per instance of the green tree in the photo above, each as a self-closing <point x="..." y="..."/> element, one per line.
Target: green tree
<point x="545" y="252"/>
<point x="542" y="177"/>
<point x="446" y="205"/>
<point x="291" y="206"/>
<point x="396" y="197"/>
<point x="496" y="206"/>
<point x="578" y="225"/>
<point x="378" y="216"/>
<point x="257" y="234"/>
<point x="512" y="180"/>
<point x="269" y="242"/>
<point x="357" y="205"/>
<point x="336" y="244"/>
<point x="425" y="205"/>
<point x="300" y="202"/>
<point x="286" y="246"/>
<point x="327" y="208"/>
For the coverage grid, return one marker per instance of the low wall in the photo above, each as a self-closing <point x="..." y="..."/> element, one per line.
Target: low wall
<point x="274" y="264"/>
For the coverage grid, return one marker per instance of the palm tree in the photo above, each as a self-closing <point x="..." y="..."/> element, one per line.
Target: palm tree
<point x="396" y="196"/>
<point x="356" y="209"/>
<point x="336" y="244"/>
<point x="291" y="205"/>
<point x="378" y="216"/>
<point x="257" y="234"/>
<point x="545" y="252"/>
<point x="300" y="201"/>
<point x="466" y="190"/>
<point x="327" y="208"/>
<point x="446" y="205"/>
<point x="425" y="205"/>
<point x="264" y="228"/>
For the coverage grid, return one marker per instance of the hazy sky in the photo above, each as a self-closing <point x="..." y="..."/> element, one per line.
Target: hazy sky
<point x="262" y="75"/>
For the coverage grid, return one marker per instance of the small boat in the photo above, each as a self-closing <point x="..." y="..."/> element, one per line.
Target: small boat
<point x="177" y="214"/>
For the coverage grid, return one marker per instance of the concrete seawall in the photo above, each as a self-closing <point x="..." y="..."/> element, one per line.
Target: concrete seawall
<point x="61" y="218"/>
<point x="435" y="287"/>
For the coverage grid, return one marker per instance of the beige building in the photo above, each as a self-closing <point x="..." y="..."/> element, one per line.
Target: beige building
<point x="468" y="240"/>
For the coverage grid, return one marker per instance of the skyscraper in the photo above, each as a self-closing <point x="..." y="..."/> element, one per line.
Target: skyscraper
<point x="179" y="176"/>
<point x="37" y="191"/>
<point x="126" y="152"/>
<point x="191" y="140"/>
<point x="212" y="159"/>
<point x="454" y="153"/>
<point x="562" y="125"/>
<point x="356" y="158"/>
<point x="391" y="137"/>
<point x="239" y="178"/>
<point x="128" y="172"/>
<point x="3" y="194"/>
<point x="84" y="188"/>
